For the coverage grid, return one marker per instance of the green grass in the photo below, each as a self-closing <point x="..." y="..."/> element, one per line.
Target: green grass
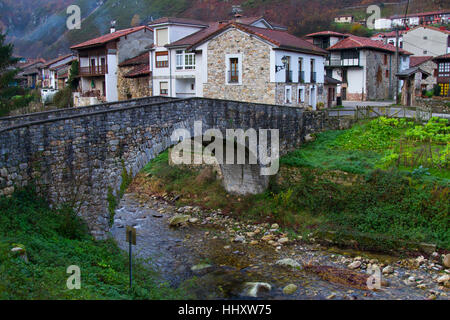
<point x="55" y="240"/>
<point x="341" y="183"/>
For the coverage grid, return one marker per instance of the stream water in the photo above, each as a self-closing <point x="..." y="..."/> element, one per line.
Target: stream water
<point x="174" y="251"/>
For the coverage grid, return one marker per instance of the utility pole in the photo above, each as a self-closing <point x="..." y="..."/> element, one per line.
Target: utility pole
<point x="397" y="66"/>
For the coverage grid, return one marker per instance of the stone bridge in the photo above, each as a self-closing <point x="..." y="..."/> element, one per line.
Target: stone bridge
<point x="75" y="155"/>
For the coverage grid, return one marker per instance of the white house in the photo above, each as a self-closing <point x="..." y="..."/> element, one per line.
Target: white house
<point x="366" y="68"/>
<point x="256" y="62"/>
<point x="427" y="41"/>
<point x="99" y="60"/>
<point x="50" y="70"/>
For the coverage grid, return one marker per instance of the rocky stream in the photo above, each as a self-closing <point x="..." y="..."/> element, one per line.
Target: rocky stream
<point x="229" y="259"/>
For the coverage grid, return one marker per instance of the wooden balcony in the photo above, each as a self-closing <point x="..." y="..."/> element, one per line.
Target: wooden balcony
<point x="93" y="71"/>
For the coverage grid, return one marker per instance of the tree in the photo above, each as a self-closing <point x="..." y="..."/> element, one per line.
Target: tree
<point x="7" y="71"/>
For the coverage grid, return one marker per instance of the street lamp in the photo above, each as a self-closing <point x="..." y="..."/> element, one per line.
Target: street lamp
<point x="284" y="61"/>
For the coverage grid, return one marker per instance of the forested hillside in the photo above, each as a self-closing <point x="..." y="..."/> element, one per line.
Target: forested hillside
<point x="38" y="28"/>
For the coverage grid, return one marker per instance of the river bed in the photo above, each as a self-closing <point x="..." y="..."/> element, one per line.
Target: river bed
<point x="226" y="266"/>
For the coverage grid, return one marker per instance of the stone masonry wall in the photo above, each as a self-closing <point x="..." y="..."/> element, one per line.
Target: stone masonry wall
<point x="256" y="86"/>
<point x="77" y="158"/>
<point x="132" y="88"/>
<point x="378" y="86"/>
<point x="39" y="116"/>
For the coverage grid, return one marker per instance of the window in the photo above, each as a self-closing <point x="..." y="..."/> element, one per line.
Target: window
<point x="162" y="59"/>
<point x="234" y="70"/>
<point x="425" y="51"/>
<point x="164" y="88"/>
<point x="162" y="37"/>
<point x="385" y="59"/>
<point x="444" y="67"/>
<point x="301" y="95"/>
<point x="288" y="95"/>
<point x="444" y="89"/>
<point x="185" y="61"/>
<point x="387" y="73"/>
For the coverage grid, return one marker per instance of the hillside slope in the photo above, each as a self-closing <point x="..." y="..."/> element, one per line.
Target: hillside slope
<point x="40" y="31"/>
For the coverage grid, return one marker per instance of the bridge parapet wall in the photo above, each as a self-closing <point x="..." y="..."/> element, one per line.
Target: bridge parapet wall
<point x="76" y="159"/>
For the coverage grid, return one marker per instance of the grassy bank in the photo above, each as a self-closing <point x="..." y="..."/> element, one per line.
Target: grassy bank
<point x="349" y="184"/>
<point x="55" y="240"/>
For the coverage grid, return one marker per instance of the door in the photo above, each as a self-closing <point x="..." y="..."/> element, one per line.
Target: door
<point x="344" y="93"/>
<point x="92" y="66"/>
<point x="104" y="88"/>
<point x="330" y="97"/>
<point x="103" y="65"/>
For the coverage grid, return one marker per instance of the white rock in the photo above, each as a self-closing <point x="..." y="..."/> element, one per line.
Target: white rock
<point x="446" y="260"/>
<point x="239" y="239"/>
<point x="355" y="265"/>
<point x="388" y="270"/>
<point x="443" y="279"/>
<point x="288" y="263"/>
<point x="252" y="289"/>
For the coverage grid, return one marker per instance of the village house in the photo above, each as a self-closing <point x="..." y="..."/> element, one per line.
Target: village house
<point x="325" y="39"/>
<point x="134" y="78"/>
<point x="427" y="41"/>
<point x="99" y="61"/>
<point x="344" y="19"/>
<point x="443" y="73"/>
<point x="49" y="71"/>
<point x="390" y="37"/>
<point x="256" y="62"/>
<point x="366" y="68"/>
<point x="427" y="64"/>
<point x="424" y="18"/>
<point x="29" y="75"/>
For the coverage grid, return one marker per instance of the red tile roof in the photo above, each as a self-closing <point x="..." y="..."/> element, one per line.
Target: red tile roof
<point x="415" y="61"/>
<point x="178" y="21"/>
<point x="443" y="57"/>
<point x="141" y="59"/>
<point x="353" y="42"/>
<point x="109" y="37"/>
<point x="48" y="63"/>
<point x="282" y="39"/>
<point x="389" y="34"/>
<point x="430" y="27"/>
<point x="326" y="33"/>
<point x="139" y="71"/>
<point x="198" y="36"/>
<point x="429" y="13"/>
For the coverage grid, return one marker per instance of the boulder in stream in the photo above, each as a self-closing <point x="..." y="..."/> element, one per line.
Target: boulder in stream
<point x="253" y="289"/>
<point x="178" y="219"/>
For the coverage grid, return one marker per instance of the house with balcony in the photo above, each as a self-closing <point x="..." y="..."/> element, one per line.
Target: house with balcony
<point x="423" y="18"/>
<point x="50" y="69"/>
<point x="263" y="65"/>
<point x="99" y="61"/>
<point x="366" y="68"/>
<point x="443" y="73"/>
<point x="180" y="70"/>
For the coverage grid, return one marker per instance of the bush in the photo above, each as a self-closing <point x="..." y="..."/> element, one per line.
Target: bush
<point x="63" y="98"/>
<point x="436" y="90"/>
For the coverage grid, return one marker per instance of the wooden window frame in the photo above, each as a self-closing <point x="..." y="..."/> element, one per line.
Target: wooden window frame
<point x="162" y="64"/>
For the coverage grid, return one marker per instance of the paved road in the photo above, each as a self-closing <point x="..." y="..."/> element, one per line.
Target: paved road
<point x="353" y="104"/>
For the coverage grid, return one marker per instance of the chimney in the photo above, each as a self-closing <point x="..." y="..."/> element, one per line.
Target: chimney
<point x="237" y="17"/>
<point x="113" y="26"/>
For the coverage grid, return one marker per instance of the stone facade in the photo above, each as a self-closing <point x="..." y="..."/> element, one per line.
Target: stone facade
<point x="76" y="158"/>
<point x="380" y="76"/>
<point x="430" y="81"/>
<point x="132" y="88"/>
<point x="256" y="86"/>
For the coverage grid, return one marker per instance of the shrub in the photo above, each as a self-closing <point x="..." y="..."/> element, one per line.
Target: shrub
<point x="63" y="98"/>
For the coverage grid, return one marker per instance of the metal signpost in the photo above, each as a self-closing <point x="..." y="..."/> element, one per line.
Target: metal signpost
<point x="131" y="239"/>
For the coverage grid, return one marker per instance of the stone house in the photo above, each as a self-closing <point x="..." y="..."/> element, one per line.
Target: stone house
<point x="427" y="41"/>
<point x="29" y="75"/>
<point x="99" y="61"/>
<point x="366" y="68"/>
<point x="427" y="64"/>
<point x="248" y="63"/>
<point x="257" y="62"/>
<point x="134" y="78"/>
<point x="443" y="73"/>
